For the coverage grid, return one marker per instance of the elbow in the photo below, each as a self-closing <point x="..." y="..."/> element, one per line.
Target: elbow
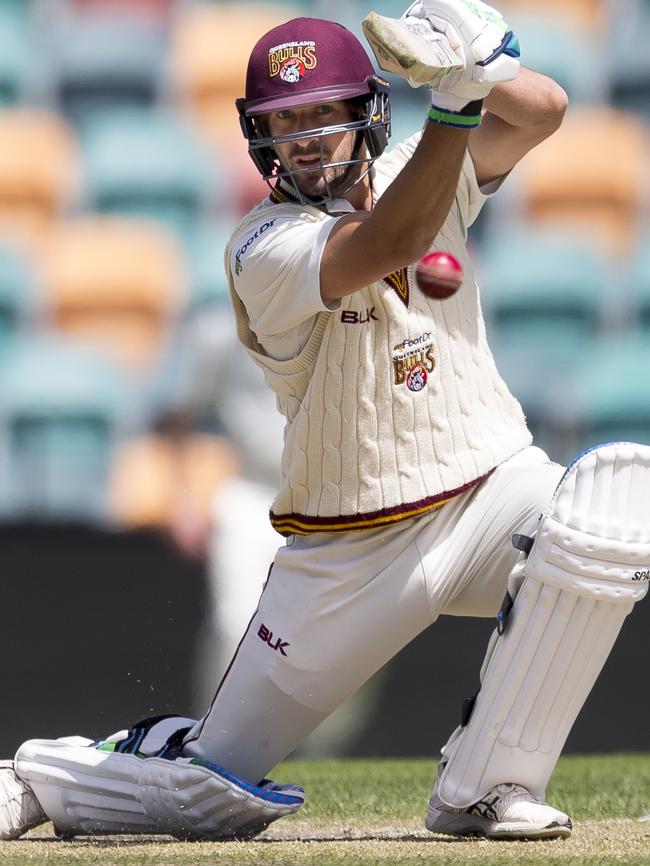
<point x="557" y="105"/>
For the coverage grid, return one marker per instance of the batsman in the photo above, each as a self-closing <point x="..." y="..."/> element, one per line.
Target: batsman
<point x="410" y="487"/>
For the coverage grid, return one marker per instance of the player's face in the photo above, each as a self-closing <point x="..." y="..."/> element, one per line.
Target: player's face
<point x="306" y="152"/>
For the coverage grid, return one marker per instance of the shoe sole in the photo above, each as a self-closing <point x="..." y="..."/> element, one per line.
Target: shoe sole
<point x="402" y="52"/>
<point x="474" y="826"/>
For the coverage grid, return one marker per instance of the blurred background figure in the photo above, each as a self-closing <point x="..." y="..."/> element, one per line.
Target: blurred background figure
<point x="139" y="447"/>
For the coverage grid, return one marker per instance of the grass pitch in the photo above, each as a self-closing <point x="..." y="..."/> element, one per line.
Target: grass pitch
<point x="370" y="813"/>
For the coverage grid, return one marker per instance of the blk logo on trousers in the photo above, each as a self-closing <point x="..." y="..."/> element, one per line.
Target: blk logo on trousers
<point x="266" y="635"/>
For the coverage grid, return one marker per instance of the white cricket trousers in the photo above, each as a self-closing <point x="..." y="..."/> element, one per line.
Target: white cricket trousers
<point x="336" y="607"/>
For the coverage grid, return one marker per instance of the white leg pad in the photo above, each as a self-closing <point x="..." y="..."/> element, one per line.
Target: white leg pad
<point x="86" y="791"/>
<point x="589" y="564"/>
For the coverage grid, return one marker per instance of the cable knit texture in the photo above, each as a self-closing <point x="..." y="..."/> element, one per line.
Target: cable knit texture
<point x="392" y="416"/>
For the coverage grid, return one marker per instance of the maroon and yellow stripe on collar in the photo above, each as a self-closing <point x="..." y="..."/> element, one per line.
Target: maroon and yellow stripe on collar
<point x="303" y="524"/>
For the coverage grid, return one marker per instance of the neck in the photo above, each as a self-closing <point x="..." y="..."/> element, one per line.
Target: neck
<point x="360" y="196"/>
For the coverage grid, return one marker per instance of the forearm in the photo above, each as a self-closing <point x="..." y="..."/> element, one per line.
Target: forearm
<point x="417" y="203"/>
<point x="529" y="100"/>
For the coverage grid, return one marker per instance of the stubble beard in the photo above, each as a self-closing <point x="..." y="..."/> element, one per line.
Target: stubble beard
<point x="330" y="181"/>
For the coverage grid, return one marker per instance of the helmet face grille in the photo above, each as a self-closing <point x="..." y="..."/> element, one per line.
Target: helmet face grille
<point x="372" y="129"/>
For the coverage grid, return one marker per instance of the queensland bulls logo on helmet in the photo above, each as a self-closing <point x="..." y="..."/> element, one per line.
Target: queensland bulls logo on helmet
<point x="292" y="60"/>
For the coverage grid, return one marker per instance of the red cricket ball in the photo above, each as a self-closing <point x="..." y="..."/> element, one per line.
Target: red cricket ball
<point x="439" y="275"/>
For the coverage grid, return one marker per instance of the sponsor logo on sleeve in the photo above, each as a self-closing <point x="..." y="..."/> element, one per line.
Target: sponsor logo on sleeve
<point x="245" y="247"/>
<point x="266" y="635"/>
<point x="413" y="361"/>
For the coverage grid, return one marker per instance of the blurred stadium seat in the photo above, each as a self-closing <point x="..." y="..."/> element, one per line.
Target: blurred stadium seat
<point x="628" y="57"/>
<point x="149" y="164"/>
<point x="106" y="62"/>
<point x="590" y="175"/>
<point x="18" y="296"/>
<point x="152" y="477"/>
<point x="114" y="283"/>
<point x="569" y="54"/>
<point x="543" y="290"/>
<point x="544" y="296"/>
<point x="39" y="172"/>
<point x="612" y="392"/>
<point x="21" y="9"/>
<point x="20" y="66"/>
<point x="208" y="57"/>
<point x="62" y="408"/>
<point x="585" y="14"/>
<point x="638" y="285"/>
<point x="205" y="268"/>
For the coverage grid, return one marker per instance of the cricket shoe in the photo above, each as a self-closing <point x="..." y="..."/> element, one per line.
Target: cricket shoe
<point x="506" y="812"/>
<point x="19" y="808"/>
<point x="411" y="48"/>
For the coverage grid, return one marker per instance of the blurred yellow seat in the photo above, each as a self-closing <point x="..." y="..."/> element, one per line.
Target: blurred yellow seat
<point x="208" y="58"/>
<point x="155" y="478"/>
<point x="39" y="176"/>
<point x="585" y="14"/>
<point x="114" y="282"/>
<point x="591" y="175"/>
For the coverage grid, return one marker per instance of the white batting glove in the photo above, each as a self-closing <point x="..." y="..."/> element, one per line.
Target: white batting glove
<point x="459" y="48"/>
<point x="478" y="33"/>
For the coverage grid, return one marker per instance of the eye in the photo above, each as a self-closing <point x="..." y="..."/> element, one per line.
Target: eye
<point x="324" y="109"/>
<point x="284" y="114"/>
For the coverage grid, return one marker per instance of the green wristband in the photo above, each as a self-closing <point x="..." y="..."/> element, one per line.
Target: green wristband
<point x="468" y="117"/>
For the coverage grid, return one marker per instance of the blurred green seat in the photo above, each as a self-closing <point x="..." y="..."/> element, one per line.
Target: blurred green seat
<point x="569" y="55"/>
<point x="543" y="292"/>
<point x="148" y="164"/>
<point x="205" y="268"/>
<point x="18" y="297"/>
<point x="612" y="392"/>
<point x="19" y="9"/>
<point x="20" y="61"/>
<point x="62" y="408"/>
<point x="629" y="60"/>
<point x="106" y="62"/>
<point x="639" y="286"/>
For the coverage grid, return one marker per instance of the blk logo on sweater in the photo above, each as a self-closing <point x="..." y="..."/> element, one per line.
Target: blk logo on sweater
<point x="266" y="635"/>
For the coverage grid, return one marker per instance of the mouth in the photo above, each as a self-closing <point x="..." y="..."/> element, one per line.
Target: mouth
<point x="307" y="162"/>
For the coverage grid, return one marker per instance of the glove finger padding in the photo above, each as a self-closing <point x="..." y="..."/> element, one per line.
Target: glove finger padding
<point x="490" y="49"/>
<point x="412" y="49"/>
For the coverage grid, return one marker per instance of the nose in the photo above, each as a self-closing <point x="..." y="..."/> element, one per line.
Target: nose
<point x="307" y="119"/>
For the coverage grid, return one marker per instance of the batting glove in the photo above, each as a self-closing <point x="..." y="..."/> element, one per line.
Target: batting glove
<point x="459" y="48"/>
<point x="479" y="34"/>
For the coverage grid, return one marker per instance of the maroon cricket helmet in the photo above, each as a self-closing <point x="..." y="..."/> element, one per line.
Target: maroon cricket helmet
<point x="308" y="61"/>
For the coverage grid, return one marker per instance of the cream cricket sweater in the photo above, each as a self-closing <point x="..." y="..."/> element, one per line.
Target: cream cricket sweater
<point x="393" y="406"/>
